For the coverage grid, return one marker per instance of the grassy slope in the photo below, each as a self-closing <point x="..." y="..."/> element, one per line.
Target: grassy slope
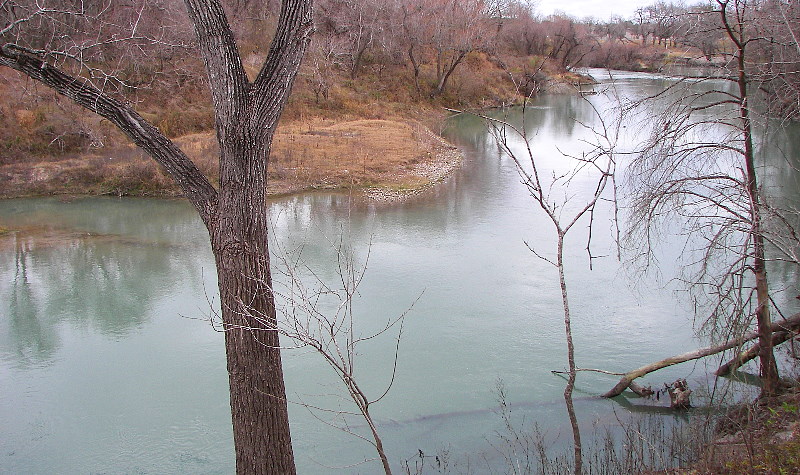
<point x="369" y="131"/>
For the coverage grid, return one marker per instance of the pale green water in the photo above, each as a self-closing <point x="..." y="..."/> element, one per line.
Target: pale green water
<point x="108" y="366"/>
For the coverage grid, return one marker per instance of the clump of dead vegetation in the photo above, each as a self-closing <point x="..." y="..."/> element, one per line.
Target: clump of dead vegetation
<point x="762" y="437"/>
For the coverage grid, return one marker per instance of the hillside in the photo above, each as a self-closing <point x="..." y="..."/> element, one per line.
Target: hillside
<point x="371" y="131"/>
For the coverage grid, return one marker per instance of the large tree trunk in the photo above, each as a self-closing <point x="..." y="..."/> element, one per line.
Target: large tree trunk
<point x="247" y="114"/>
<point x="257" y="395"/>
<point x="239" y="240"/>
<point x="236" y="215"/>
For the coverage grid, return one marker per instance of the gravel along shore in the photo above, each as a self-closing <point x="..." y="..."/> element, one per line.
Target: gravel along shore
<point x="446" y="158"/>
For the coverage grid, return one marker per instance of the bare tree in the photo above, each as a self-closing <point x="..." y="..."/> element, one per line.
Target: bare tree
<point x="551" y="188"/>
<point x="319" y="313"/>
<point x="321" y="61"/>
<point x="700" y="168"/>
<point x="442" y="32"/>
<point x="699" y="27"/>
<point x="37" y="39"/>
<point x="358" y="24"/>
<point x="569" y="41"/>
<point x="664" y="20"/>
<point x="777" y="56"/>
<point x="455" y="33"/>
<point x="523" y="32"/>
<point x="643" y="26"/>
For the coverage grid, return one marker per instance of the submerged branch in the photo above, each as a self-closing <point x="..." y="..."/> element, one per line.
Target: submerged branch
<point x="792" y="324"/>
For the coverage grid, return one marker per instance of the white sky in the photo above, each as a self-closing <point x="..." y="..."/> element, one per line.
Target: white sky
<point x="600" y="9"/>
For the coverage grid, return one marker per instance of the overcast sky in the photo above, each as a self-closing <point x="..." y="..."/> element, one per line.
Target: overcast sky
<point x="600" y="9"/>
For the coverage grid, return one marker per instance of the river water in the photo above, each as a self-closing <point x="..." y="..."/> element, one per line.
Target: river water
<point x="108" y="363"/>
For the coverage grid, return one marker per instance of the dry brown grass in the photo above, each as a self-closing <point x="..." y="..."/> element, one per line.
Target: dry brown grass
<point x="364" y="133"/>
<point x="759" y="438"/>
<point x="325" y="154"/>
<point x="306" y="155"/>
<point x="360" y="153"/>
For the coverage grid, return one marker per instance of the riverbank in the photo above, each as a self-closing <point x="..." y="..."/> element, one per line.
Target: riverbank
<point x="373" y="132"/>
<point x="388" y="159"/>
<point x="758" y="437"/>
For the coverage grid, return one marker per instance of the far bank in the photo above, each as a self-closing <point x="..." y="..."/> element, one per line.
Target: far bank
<point x="376" y="132"/>
<point x="393" y="156"/>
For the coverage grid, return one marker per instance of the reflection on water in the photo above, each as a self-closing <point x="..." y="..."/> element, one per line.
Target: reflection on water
<point x="87" y="277"/>
<point x="108" y="365"/>
<point x="93" y="341"/>
<point x="32" y="340"/>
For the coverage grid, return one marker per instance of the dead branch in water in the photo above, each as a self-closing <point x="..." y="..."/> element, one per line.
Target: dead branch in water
<point x="787" y="327"/>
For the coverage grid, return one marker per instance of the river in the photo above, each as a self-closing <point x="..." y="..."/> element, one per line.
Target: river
<point x="108" y="363"/>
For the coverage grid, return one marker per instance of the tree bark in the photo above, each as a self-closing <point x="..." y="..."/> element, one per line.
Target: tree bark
<point x="257" y="395"/>
<point x="235" y="215"/>
<point x="577" y="448"/>
<point x="778" y="337"/>
<point x="246" y="117"/>
<point x="445" y="70"/>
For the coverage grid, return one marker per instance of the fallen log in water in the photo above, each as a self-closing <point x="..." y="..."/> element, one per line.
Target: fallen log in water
<point x="778" y="337"/>
<point x="787" y="327"/>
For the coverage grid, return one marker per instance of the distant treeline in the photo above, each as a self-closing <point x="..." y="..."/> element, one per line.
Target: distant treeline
<point x="369" y="53"/>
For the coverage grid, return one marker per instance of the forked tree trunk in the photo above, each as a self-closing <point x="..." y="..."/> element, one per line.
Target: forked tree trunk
<point x="444" y="70"/>
<point x="246" y="115"/>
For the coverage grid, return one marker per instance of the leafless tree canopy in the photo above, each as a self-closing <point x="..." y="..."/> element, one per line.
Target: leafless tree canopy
<point x="111" y="44"/>
<point x="700" y="171"/>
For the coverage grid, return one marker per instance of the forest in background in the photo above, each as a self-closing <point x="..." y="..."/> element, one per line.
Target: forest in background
<point x="403" y="61"/>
